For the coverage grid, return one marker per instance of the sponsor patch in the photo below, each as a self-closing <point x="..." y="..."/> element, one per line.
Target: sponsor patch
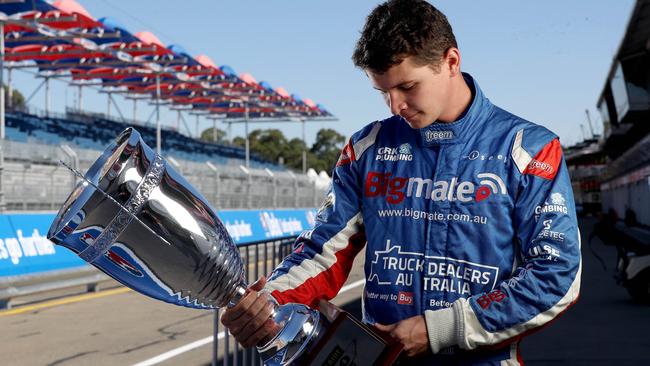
<point x="397" y="269"/>
<point x="477" y="155"/>
<point x="396" y="189"/>
<point x="432" y="135"/>
<point x="405" y="298"/>
<point x="547" y="162"/>
<point x="400" y="153"/>
<point x="491" y="297"/>
<point x="557" y="204"/>
<point x="545" y="251"/>
<point x="549" y="233"/>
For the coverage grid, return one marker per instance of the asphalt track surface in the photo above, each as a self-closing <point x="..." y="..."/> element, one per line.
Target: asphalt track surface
<point x="121" y="327"/>
<point x="605" y="327"/>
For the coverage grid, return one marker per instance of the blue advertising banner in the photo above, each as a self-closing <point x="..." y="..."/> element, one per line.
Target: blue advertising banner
<point x="25" y="249"/>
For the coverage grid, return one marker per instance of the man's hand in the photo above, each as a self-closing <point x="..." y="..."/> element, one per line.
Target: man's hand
<point x="250" y="320"/>
<point x="411" y="332"/>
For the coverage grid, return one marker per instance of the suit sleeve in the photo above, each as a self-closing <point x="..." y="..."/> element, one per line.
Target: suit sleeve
<point x="323" y="256"/>
<point x="547" y="280"/>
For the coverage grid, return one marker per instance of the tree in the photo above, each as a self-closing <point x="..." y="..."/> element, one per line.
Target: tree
<point x="207" y="135"/>
<point x="293" y="154"/>
<point x="326" y="149"/>
<point x="269" y="143"/>
<point x="17" y="99"/>
<point x="239" y="141"/>
<point x="272" y="145"/>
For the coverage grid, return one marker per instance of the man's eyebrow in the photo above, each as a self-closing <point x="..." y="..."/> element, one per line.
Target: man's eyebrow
<point x="403" y="83"/>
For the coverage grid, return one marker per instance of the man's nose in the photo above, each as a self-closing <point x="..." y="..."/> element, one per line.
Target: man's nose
<point x="396" y="103"/>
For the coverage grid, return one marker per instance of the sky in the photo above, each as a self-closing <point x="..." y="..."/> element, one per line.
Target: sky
<point x="546" y="61"/>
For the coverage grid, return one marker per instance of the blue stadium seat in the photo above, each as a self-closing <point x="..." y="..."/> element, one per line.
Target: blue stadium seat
<point x="96" y="133"/>
<point x="15" y="134"/>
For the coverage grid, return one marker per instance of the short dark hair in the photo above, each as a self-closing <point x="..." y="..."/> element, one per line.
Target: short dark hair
<point x="398" y="29"/>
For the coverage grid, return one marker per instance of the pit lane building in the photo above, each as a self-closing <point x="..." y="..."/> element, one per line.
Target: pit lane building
<point x="624" y="105"/>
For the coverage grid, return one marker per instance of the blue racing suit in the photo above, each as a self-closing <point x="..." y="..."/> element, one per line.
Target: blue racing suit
<point x="470" y="223"/>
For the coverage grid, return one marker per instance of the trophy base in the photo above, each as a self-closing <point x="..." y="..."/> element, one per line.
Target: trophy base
<point x="326" y="338"/>
<point x="347" y="341"/>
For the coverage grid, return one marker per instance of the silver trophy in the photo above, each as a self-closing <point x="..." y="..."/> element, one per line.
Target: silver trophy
<point x="139" y="221"/>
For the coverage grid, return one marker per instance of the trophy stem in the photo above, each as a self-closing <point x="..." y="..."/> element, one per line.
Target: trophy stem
<point x="240" y="291"/>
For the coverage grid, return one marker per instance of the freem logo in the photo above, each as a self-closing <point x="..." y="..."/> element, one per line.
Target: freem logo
<point x="395" y="189"/>
<point x="430" y="135"/>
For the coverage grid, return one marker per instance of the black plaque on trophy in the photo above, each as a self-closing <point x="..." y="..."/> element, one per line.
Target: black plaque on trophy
<point x="347" y="341"/>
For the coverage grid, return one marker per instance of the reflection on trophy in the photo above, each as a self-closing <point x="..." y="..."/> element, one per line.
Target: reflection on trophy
<point x="139" y="221"/>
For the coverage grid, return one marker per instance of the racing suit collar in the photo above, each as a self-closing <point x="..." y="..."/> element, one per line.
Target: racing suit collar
<point x="439" y="133"/>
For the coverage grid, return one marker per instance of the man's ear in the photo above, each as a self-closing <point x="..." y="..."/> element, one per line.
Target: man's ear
<point x="452" y="61"/>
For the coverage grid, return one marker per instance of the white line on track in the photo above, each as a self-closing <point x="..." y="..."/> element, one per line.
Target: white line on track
<point x="207" y="340"/>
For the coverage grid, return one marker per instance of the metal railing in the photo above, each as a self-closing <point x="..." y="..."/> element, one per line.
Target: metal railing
<point x="12" y="287"/>
<point x="259" y="258"/>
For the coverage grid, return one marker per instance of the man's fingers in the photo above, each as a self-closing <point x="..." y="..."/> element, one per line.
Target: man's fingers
<point x="259" y="284"/>
<point x="259" y="312"/>
<point x="264" y="332"/>
<point x="252" y="293"/>
<point x="385" y="328"/>
<point x="231" y="315"/>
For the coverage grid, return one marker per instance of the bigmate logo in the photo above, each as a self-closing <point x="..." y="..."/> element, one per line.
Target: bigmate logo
<point x="396" y="189"/>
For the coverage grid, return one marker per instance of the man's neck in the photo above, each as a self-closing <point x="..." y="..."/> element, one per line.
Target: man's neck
<point x="458" y="102"/>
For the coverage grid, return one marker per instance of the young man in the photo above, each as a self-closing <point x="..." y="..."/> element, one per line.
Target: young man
<point x="465" y="210"/>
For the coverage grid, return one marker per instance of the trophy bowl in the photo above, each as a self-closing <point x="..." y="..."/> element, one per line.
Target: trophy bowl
<point x="138" y="220"/>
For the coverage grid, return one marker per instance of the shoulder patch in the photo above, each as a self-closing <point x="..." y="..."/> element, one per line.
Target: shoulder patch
<point x="362" y="145"/>
<point x="347" y="155"/>
<point x="547" y="162"/>
<point x="519" y="155"/>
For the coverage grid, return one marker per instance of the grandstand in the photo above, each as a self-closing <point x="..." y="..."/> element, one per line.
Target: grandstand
<point x="34" y="179"/>
<point x="61" y="39"/>
<point x="94" y="131"/>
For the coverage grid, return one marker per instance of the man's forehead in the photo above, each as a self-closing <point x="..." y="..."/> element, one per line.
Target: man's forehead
<point x="389" y="79"/>
<point x="399" y="74"/>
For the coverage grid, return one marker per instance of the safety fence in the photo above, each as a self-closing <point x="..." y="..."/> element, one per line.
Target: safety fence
<point x="260" y="258"/>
